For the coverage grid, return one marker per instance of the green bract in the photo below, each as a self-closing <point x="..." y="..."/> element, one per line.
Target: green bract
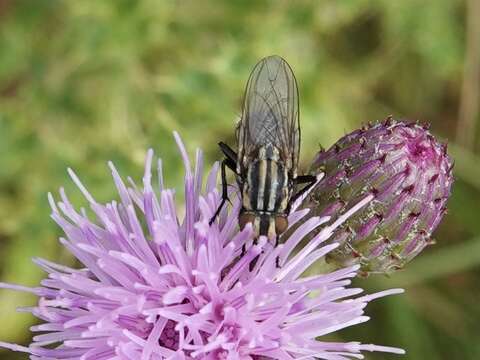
<point x="409" y="174"/>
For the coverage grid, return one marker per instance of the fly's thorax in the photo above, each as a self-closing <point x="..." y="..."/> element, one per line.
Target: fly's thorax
<point x="266" y="187"/>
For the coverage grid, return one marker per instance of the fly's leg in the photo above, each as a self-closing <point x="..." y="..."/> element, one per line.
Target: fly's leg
<point x="230" y="154"/>
<point x="310" y="180"/>
<point x="304" y="179"/>
<point x="224" y="192"/>
<point x="231" y="163"/>
<point x="277" y="259"/>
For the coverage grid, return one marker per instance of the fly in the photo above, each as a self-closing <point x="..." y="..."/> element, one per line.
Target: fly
<point x="268" y="147"/>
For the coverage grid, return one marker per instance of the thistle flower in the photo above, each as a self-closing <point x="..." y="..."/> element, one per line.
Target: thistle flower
<point x="409" y="174"/>
<point x="155" y="287"/>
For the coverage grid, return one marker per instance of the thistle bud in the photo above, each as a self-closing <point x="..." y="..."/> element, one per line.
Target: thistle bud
<point x="409" y="174"/>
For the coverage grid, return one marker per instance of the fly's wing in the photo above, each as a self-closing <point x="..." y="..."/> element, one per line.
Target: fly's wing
<point x="270" y="112"/>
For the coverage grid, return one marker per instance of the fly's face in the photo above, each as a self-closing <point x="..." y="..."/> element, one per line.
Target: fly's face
<point x="265" y="224"/>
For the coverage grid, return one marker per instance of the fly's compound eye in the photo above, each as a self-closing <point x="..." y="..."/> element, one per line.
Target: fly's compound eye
<point x="281" y="224"/>
<point x="244" y="219"/>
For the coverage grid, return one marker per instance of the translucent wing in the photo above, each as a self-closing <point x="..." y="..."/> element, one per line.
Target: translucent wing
<point x="270" y="112"/>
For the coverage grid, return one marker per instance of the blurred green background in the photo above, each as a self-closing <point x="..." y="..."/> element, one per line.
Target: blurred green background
<point x="84" y="82"/>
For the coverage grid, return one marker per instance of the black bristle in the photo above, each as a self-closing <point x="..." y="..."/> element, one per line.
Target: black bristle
<point x="433" y="178"/>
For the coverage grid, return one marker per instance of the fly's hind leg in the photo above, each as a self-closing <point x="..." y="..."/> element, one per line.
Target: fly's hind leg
<point x="224" y="193"/>
<point x="230" y="161"/>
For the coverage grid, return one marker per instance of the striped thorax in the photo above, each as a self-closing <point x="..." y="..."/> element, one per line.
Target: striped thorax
<point x="265" y="193"/>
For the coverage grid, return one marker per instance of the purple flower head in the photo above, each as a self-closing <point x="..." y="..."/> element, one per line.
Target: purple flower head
<point x="153" y="286"/>
<point x="409" y="174"/>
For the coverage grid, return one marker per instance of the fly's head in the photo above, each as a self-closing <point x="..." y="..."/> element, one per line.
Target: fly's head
<point x="264" y="224"/>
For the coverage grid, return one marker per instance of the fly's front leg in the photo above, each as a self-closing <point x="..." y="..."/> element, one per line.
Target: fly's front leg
<point x="277" y="259"/>
<point x="230" y="162"/>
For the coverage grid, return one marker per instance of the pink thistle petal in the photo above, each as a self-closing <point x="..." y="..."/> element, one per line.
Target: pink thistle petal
<point x="154" y="286"/>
